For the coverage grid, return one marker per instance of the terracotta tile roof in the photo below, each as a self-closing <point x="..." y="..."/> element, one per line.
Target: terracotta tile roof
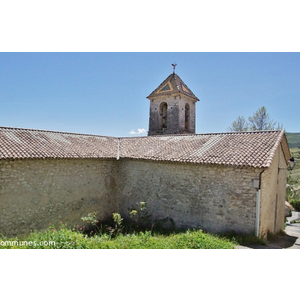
<point x="173" y="84"/>
<point x="253" y="149"/>
<point x="20" y="143"/>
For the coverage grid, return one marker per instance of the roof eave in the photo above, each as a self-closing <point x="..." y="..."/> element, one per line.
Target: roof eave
<point x="281" y="140"/>
<point x="176" y="93"/>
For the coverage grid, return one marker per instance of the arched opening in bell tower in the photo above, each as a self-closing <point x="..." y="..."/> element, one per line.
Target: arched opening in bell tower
<point x="187" y="117"/>
<point x="163" y="110"/>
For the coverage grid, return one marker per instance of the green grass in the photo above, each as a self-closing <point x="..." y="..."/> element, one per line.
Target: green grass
<point x="65" y="238"/>
<point x="295" y="174"/>
<point x="243" y="239"/>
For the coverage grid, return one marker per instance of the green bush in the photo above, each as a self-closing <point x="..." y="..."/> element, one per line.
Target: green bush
<point x="295" y="203"/>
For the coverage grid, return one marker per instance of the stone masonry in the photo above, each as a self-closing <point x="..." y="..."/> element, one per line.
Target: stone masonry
<point x="175" y="115"/>
<point x="34" y="193"/>
<point x="38" y="192"/>
<point x="215" y="198"/>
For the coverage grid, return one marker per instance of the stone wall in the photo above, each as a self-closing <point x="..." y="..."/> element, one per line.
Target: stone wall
<point x="34" y="193"/>
<point x="215" y="198"/>
<point x="175" y="115"/>
<point x="273" y="189"/>
<point x="192" y="112"/>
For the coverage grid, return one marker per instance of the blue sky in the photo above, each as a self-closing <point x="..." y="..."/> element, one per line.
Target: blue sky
<point x="105" y="93"/>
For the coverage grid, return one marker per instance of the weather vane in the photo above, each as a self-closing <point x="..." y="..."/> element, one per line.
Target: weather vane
<point x="174" y="66"/>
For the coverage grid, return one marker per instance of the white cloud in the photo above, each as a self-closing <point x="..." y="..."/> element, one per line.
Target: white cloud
<point x="139" y="131"/>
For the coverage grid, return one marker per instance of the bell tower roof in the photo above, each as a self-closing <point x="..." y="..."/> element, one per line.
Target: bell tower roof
<point x="173" y="84"/>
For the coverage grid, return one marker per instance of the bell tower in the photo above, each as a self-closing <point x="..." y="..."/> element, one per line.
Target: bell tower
<point x="172" y="107"/>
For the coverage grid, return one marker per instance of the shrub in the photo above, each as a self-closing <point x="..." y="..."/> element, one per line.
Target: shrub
<point x="140" y="217"/>
<point x="295" y="203"/>
<point x="92" y="221"/>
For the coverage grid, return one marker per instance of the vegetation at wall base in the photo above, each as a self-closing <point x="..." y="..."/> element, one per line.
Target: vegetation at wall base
<point x="64" y="238"/>
<point x="118" y="234"/>
<point x="244" y="239"/>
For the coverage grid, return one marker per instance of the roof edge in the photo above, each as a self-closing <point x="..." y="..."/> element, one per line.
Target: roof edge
<point x="286" y="152"/>
<point x="172" y="93"/>
<point x="197" y="134"/>
<point x="194" y="163"/>
<point x="54" y="131"/>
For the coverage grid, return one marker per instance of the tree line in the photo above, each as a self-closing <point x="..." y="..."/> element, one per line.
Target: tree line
<point x="259" y="121"/>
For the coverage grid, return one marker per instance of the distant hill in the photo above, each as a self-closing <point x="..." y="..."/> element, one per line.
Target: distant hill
<point x="293" y="139"/>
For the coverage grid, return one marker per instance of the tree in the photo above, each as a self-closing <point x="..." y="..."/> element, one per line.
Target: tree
<point x="259" y="121"/>
<point x="240" y="124"/>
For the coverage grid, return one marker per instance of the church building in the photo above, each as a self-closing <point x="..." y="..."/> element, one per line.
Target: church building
<point x="219" y="182"/>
